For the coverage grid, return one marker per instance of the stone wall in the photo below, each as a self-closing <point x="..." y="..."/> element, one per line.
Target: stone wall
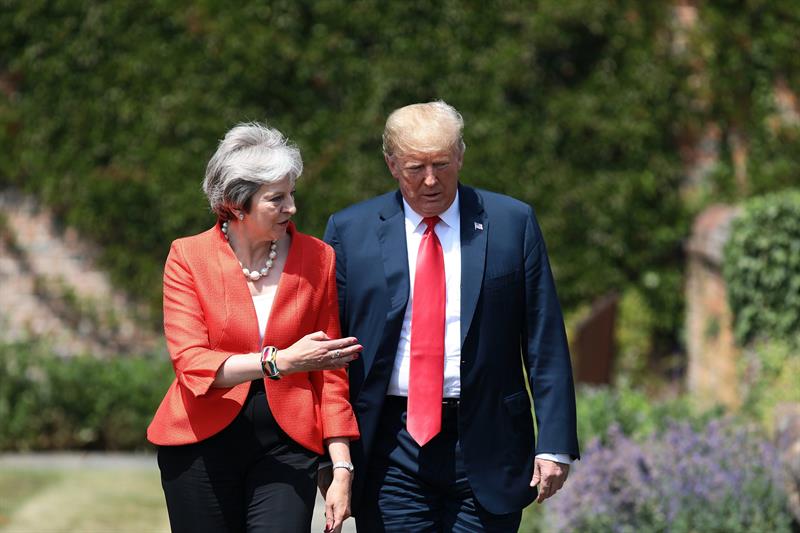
<point x="712" y="352"/>
<point x="52" y="290"/>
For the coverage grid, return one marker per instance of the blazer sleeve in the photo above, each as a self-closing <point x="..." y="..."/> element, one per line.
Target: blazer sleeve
<point x="338" y="419"/>
<point x="546" y="351"/>
<point x="195" y="361"/>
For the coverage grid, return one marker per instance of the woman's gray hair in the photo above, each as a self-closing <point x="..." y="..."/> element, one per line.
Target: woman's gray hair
<point x="250" y="155"/>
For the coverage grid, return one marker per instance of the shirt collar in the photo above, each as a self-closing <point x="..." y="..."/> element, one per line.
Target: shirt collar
<point x="451" y="216"/>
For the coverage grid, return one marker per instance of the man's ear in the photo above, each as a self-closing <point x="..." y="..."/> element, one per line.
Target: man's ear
<point x="391" y="162"/>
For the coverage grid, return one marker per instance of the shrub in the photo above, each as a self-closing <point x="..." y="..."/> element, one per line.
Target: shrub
<point x="770" y="373"/>
<point x="633" y="412"/>
<point x="49" y="403"/>
<point x="722" y="478"/>
<point x="762" y="268"/>
<point x="110" y="110"/>
<point x="634" y="337"/>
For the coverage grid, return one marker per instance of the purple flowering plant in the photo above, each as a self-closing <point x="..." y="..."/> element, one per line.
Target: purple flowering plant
<point x="724" y="477"/>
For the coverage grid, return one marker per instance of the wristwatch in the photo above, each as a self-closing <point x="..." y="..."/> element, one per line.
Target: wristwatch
<point x="343" y="464"/>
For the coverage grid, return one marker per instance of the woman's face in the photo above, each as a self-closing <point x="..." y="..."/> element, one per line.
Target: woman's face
<point x="270" y="211"/>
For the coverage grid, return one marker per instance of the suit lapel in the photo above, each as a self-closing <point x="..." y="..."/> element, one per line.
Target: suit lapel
<point x="474" y="231"/>
<point x="392" y="238"/>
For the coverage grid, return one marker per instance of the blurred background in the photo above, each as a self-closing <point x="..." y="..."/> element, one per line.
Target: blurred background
<point x="658" y="141"/>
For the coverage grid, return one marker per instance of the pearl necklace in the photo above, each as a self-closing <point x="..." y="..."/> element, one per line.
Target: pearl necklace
<point x="255" y="275"/>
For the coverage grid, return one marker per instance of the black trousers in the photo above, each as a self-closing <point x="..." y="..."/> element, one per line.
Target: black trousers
<point x="249" y="477"/>
<point x="425" y="489"/>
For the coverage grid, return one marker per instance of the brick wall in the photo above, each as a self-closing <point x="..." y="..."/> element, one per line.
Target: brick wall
<point x="52" y="290"/>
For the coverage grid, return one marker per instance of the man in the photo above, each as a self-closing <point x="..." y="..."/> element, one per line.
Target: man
<point x="449" y="290"/>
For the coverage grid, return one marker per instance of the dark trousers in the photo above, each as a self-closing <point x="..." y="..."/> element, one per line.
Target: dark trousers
<point x="422" y="489"/>
<point x="249" y="477"/>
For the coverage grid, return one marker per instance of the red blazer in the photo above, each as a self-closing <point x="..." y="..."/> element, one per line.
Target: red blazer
<point x="209" y="316"/>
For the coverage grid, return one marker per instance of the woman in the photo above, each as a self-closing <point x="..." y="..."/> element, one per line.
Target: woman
<point x="251" y="321"/>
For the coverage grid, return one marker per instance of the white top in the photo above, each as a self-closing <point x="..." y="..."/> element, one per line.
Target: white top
<point x="449" y="232"/>
<point x="263" y="304"/>
<point x="450" y="237"/>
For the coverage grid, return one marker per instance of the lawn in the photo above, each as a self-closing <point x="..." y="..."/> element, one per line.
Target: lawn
<point x="89" y="493"/>
<point x="88" y="499"/>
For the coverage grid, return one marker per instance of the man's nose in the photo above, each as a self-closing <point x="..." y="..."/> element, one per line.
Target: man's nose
<point x="430" y="176"/>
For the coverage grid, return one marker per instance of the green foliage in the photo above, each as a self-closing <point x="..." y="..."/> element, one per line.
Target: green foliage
<point x="747" y="50"/>
<point x="634" y="335"/>
<point x="633" y="411"/>
<point x="681" y="480"/>
<point x="762" y="268"/>
<point x="117" y="107"/>
<point x="630" y="411"/>
<point x="770" y="376"/>
<point x="49" y="402"/>
<point x="110" y="110"/>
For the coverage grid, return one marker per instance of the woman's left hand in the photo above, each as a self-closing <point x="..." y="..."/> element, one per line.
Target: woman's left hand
<point x="337" y="501"/>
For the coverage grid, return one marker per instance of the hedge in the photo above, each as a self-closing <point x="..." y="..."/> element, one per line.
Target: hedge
<point x="761" y="268"/>
<point x="87" y="403"/>
<point x="109" y="111"/>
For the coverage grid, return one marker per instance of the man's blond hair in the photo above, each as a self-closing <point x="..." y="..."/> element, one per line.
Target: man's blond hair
<point x="430" y="127"/>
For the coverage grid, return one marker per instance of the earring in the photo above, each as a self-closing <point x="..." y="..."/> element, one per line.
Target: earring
<point x="241" y="216"/>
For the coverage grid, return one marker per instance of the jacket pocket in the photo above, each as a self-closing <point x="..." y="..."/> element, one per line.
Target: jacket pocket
<point x="502" y="280"/>
<point x="518" y="402"/>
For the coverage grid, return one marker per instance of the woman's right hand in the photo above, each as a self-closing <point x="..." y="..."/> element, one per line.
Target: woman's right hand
<point x="316" y="351"/>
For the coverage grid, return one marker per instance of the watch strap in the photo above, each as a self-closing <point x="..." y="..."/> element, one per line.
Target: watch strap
<point x="344" y="464"/>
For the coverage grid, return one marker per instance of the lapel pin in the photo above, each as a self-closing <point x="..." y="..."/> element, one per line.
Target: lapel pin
<point x="479" y="226"/>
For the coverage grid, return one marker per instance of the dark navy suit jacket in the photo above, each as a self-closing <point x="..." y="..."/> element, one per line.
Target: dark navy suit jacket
<point x="511" y="328"/>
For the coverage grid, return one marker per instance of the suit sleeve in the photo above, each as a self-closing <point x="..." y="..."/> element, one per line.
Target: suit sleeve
<point x="338" y="419"/>
<point x="195" y="362"/>
<point x="546" y="351"/>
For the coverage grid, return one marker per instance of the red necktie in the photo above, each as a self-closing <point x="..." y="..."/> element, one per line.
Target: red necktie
<point x="426" y="374"/>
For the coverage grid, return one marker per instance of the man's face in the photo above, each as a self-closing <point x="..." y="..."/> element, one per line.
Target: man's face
<point x="427" y="180"/>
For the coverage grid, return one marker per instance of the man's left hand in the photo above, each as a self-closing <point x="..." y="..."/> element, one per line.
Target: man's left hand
<point x="550" y="476"/>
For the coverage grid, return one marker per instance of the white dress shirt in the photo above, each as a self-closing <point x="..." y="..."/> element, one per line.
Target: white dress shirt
<point x="449" y="233"/>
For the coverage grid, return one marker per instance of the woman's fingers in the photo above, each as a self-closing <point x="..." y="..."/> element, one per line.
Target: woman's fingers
<point x="316" y="351"/>
<point x="335" y="511"/>
<point x="341" y="358"/>
<point x="340" y="352"/>
<point x="348" y="354"/>
<point x="338" y="517"/>
<point x="339" y="344"/>
<point x="318" y="336"/>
